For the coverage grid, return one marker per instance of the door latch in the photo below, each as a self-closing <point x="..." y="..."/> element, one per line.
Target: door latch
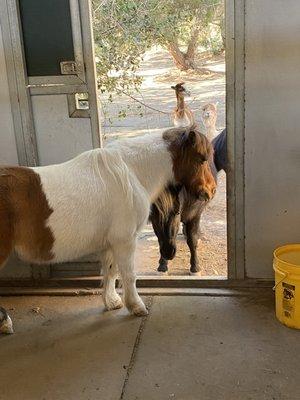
<point x="68" y="68"/>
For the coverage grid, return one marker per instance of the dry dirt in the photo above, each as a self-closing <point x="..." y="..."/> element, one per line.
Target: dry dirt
<point x="159" y="74"/>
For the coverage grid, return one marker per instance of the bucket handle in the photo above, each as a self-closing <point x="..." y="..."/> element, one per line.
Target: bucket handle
<point x="284" y="274"/>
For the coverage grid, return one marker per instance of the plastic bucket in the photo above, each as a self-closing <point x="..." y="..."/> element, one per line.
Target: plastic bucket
<point x="286" y="265"/>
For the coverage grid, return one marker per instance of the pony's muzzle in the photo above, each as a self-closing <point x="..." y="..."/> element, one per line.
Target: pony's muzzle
<point x="206" y="195"/>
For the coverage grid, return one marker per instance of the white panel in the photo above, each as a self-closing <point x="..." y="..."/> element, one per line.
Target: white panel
<point x="59" y="137"/>
<point x="272" y="131"/>
<point x="8" y="150"/>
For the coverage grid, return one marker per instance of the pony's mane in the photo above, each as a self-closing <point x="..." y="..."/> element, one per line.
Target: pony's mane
<point x="164" y="204"/>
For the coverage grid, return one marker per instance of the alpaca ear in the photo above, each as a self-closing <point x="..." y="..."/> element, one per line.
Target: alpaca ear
<point x="217" y="103"/>
<point x="173" y="87"/>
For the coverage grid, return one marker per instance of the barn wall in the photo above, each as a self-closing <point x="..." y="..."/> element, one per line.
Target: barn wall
<point x="8" y="150"/>
<point x="272" y="134"/>
<point x="59" y="137"/>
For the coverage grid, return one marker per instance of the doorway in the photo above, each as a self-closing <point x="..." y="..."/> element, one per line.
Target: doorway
<point x="138" y="99"/>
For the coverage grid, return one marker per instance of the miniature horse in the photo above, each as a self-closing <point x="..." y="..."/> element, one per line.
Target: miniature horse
<point x="99" y="202"/>
<point x="175" y="205"/>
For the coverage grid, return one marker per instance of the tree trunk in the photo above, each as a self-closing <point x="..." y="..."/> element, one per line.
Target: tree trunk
<point x="192" y="48"/>
<point x="185" y="61"/>
<point x="178" y="56"/>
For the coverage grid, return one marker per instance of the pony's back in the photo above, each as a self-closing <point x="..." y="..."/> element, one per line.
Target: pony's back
<point x="220" y="151"/>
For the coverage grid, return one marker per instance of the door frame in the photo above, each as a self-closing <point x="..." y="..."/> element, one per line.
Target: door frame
<point x="20" y="88"/>
<point x="235" y="123"/>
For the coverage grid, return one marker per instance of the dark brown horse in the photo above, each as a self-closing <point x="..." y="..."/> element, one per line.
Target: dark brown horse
<point x="176" y="205"/>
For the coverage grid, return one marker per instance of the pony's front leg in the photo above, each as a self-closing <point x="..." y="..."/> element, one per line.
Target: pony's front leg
<point x="5" y="322"/>
<point x="192" y="237"/>
<point x="163" y="265"/>
<point x="112" y="300"/>
<point x="124" y="258"/>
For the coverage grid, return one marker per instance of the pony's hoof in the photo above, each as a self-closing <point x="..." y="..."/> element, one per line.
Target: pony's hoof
<point x="114" y="303"/>
<point x="6" y="326"/>
<point x="162" y="272"/>
<point x="197" y="273"/>
<point x="139" y="310"/>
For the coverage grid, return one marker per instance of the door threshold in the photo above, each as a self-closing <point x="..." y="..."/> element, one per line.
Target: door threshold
<point x="75" y="291"/>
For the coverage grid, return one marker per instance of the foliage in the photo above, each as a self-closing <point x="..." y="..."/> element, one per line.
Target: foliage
<point x="125" y="29"/>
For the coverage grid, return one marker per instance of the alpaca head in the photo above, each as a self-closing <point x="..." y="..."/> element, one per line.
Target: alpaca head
<point x="209" y="115"/>
<point x="180" y="89"/>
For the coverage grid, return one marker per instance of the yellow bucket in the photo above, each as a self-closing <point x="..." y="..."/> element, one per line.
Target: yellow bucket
<point x="286" y="265"/>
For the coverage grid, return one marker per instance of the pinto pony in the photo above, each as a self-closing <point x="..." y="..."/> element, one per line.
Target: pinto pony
<point x="176" y="205"/>
<point x="98" y="202"/>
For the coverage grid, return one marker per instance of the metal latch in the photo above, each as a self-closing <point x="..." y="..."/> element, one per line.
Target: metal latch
<point x="68" y="68"/>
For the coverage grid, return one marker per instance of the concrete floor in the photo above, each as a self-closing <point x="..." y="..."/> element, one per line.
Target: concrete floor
<point x="188" y="348"/>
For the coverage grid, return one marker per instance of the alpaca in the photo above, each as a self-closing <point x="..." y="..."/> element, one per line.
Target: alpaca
<point x="98" y="202"/>
<point x="182" y="114"/>
<point x="209" y="118"/>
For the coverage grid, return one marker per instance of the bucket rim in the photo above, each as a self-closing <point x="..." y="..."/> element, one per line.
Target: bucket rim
<point x="281" y="249"/>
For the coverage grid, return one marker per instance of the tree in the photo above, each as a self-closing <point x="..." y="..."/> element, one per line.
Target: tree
<point x="181" y="24"/>
<point x="125" y="29"/>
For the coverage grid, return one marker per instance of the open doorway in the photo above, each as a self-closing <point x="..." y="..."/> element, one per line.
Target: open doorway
<point x="142" y="49"/>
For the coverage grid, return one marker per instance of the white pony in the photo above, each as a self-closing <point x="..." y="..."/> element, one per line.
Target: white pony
<point x="98" y="202"/>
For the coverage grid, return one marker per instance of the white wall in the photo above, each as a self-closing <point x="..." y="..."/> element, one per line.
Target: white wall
<point x="8" y="150"/>
<point x="59" y="137"/>
<point x="272" y="131"/>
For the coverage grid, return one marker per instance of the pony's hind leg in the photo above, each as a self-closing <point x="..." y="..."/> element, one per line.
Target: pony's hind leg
<point x="6" y="325"/>
<point x="112" y="300"/>
<point x="5" y="322"/>
<point x="6" y="247"/>
<point x="124" y="257"/>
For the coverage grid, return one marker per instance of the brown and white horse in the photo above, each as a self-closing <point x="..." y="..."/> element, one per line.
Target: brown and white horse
<point x="98" y="202"/>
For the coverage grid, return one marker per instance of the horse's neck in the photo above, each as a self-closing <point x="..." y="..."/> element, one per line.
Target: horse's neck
<point x="152" y="164"/>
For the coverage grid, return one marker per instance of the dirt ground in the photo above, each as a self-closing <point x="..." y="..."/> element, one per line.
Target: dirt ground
<point x="159" y="74"/>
